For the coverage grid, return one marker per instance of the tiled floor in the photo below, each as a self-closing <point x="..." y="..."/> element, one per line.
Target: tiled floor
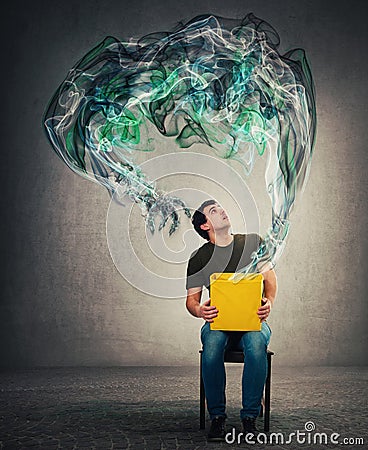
<point x="157" y="408"/>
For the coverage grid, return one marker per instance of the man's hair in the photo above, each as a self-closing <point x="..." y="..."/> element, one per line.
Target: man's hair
<point x="199" y="219"/>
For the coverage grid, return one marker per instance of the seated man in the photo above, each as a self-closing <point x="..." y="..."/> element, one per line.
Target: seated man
<point x="227" y="252"/>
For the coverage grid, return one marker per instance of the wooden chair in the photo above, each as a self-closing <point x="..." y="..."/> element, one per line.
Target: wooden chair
<point x="236" y="356"/>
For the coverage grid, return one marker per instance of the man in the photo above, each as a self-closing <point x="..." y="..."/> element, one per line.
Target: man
<point x="227" y="252"/>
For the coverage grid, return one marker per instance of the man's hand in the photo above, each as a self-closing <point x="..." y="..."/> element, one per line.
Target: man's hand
<point x="207" y="312"/>
<point x="264" y="310"/>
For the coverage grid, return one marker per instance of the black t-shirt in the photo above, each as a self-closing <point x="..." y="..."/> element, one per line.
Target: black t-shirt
<point x="211" y="258"/>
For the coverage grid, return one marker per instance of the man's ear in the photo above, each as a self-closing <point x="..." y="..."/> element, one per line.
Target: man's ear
<point x="204" y="226"/>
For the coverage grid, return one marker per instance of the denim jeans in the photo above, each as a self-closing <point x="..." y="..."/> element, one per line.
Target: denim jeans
<point x="254" y="345"/>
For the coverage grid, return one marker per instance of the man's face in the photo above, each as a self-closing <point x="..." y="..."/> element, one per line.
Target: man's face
<point x="217" y="218"/>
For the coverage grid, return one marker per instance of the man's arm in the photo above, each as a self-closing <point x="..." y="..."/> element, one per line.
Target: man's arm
<point x="193" y="304"/>
<point x="270" y="285"/>
<point x="269" y="293"/>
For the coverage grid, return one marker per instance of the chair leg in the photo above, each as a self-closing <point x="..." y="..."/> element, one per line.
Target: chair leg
<point x="202" y="400"/>
<point x="262" y="408"/>
<point x="267" y="396"/>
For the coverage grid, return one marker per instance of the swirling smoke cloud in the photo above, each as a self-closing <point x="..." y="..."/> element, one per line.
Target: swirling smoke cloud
<point x="219" y="82"/>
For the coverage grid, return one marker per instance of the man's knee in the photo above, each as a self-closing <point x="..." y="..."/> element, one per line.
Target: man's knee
<point x="254" y="345"/>
<point x="214" y="343"/>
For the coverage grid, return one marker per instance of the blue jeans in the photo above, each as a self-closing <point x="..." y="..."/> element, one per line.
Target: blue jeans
<point x="254" y="345"/>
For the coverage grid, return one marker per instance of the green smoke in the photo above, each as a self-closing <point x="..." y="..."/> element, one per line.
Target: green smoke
<point x="215" y="81"/>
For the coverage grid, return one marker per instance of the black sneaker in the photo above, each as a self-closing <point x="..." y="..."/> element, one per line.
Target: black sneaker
<point x="217" y="430"/>
<point x="249" y="425"/>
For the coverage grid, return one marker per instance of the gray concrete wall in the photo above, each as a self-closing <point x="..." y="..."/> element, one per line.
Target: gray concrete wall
<point x="63" y="300"/>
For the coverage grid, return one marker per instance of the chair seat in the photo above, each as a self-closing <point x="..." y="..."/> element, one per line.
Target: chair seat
<point x="237" y="356"/>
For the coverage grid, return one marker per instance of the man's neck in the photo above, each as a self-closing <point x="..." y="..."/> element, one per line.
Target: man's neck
<point x="222" y="239"/>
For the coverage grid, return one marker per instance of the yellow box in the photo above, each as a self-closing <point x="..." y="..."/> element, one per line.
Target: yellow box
<point x="237" y="302"/>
